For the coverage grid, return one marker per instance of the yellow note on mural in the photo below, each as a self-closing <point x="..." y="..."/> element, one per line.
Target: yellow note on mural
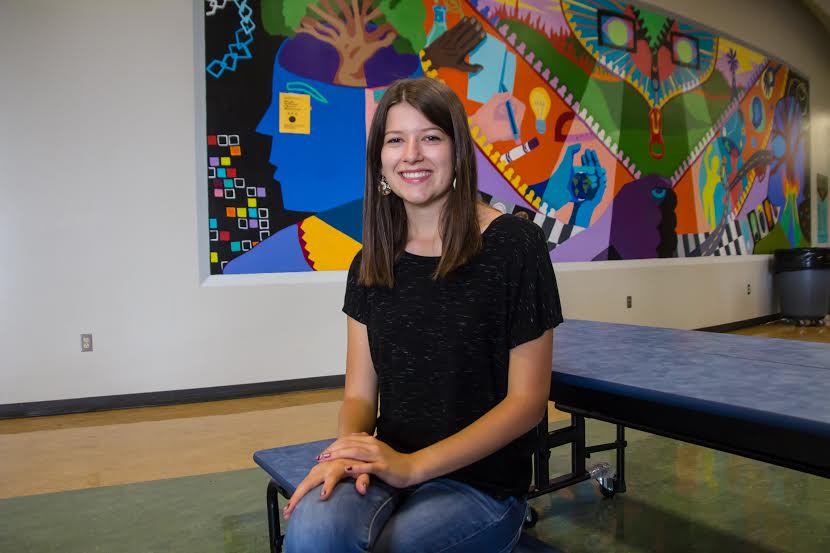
<point x="295" y="113"/>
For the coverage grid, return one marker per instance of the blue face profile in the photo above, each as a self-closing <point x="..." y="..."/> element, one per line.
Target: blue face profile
<point x="324" y="169"/>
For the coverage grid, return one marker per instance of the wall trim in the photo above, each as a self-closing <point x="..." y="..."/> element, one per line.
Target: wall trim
<point x="169" y="397"/>
<point x="738" y="325"/>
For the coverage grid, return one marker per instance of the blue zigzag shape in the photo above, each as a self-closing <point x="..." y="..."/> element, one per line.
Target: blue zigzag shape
<point x="240" y="48"/>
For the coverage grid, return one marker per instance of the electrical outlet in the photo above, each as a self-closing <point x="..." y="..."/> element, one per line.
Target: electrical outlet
<point x="748" y="289"/>
<point x="86" y="342"/>
<point x="628" y="302"/>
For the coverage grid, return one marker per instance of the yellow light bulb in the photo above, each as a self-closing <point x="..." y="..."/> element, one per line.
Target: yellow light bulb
<point x="540" y="104"/>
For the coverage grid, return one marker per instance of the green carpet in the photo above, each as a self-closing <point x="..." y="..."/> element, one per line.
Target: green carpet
<point x="680" y="498"/>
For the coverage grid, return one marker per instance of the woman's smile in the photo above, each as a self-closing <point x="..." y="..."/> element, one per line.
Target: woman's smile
<point x="415" y="177"/>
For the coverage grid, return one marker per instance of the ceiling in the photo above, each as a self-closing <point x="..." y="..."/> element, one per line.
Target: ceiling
<point x="821" y="9"/>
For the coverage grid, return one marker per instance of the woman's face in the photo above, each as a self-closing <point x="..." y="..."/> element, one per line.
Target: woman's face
<point x="416" y="157"/>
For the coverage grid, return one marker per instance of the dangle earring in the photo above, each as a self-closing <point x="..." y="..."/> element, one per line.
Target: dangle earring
<point x="453" y="183"/>
<point x="384" y="187"/>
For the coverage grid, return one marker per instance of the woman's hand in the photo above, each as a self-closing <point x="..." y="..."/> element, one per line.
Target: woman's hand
<point x="328" y="474"/>
<point x="371" y="456"/>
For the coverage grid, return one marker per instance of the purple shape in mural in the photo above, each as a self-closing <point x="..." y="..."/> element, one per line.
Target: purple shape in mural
<point x="491" y="182"/>
<point x="588" y="245"/>
<point x="314" y="59"/>
<point x="757" y="194"/>
<point x="643" y="220"/>
<point x="388" y="65"/>
<point x="311" y="58"/>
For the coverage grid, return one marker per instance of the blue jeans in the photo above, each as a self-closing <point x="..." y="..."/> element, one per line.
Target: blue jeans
<point x="438" y="516"/>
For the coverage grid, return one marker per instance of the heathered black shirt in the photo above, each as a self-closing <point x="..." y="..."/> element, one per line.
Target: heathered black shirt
<point x="441" y="348"/>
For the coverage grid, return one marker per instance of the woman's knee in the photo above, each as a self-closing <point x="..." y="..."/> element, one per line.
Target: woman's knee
<point x="340" y="523"/>
<point x="445" y="515"/>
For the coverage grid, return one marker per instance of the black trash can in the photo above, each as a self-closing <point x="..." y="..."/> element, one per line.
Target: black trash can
<point x="802" y="278"/>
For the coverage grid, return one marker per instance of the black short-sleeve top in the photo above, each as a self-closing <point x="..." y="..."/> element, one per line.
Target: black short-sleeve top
<point x="441" y="348"/>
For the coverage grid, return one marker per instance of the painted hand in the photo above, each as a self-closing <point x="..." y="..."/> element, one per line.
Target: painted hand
<point x="450" y="49"/>
<point x="587" y="186"/>
<point x="582" y="184"/>
<point x="372" y="457"/>
<point x="588" y="179"/>
<point x="327" y="474"/>
<point x="493" y="120"/>
<point x="557" y="193"/>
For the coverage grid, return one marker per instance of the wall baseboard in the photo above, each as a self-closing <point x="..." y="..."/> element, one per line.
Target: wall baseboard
<point x="738" y="325"/>
<point x="171" y="397"/>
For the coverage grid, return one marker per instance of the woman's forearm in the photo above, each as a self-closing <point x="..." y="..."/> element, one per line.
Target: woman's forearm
<point x="505" y="422"/>
<point x="356" y="415"/>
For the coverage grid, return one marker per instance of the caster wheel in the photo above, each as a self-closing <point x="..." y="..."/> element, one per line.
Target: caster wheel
<point x="531" y="517"/>
<point x="608" y="486"/>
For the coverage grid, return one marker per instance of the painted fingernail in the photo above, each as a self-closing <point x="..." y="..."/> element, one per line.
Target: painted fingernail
<point x="348" y="468"/>
<point x="326" y="455"/>
<point x="318" y="457"/>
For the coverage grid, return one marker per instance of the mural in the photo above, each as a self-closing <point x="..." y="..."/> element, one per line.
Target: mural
<point x="622" y="133"/>
<point x="821" y="208"/>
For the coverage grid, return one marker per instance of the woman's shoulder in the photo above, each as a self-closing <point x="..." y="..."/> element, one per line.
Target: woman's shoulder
<point x="354" y="266"/>
<point x="515" y="229"/>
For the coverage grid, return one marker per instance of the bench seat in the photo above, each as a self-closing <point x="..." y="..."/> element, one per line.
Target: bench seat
<point x="288" y="465"/>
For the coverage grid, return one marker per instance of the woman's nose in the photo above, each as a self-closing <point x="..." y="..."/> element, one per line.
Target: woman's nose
<point x="412" y="152"/>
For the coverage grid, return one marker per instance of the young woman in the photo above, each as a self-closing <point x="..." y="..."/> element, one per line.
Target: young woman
<point x="450" y="309"/>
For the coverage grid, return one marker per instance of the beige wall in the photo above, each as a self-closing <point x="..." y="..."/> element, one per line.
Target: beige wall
<point x="102" y="206"/>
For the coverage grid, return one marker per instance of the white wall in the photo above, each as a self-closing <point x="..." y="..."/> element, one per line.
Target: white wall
<point x="101" y="150"/>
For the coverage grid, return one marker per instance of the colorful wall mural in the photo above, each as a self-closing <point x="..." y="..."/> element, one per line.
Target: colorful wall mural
<point x="622" y="133"/>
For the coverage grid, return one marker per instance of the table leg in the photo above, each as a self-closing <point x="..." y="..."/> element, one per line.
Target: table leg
<point x="541" y="455"/>
<point x="275" y="536"/>
<point x="621" y="443"/>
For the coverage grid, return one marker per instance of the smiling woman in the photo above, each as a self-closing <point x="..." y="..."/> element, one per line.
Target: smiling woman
<point x="450" y="309"/>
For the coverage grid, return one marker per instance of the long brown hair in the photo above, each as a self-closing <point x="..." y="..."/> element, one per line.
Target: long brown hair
<point x="384" y="217"/>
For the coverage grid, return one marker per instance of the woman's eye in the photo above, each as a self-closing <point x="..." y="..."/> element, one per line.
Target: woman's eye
<point x="432" y="138"/>
<point x="393" y="140"/>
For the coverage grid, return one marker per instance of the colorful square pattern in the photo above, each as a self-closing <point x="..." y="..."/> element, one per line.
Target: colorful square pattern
<point x="238" y="208"/>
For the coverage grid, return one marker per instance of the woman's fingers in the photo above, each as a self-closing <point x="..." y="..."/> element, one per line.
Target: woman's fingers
<point x="328" y="485"/>
<point x="361" y="483"/>
<point x="346" y="441"/>
<point x="362" y="469"/>
<point x="327" y="474"/>
<point x="366" y="449"/>
<point x="309" y="482"/>
<point x="357" y="452"/>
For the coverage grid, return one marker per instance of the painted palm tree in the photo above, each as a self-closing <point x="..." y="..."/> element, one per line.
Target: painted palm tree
<point x="732" y="60"/>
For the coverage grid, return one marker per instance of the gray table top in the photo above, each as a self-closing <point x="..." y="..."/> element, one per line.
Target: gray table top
<point x="784" y="378"/>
